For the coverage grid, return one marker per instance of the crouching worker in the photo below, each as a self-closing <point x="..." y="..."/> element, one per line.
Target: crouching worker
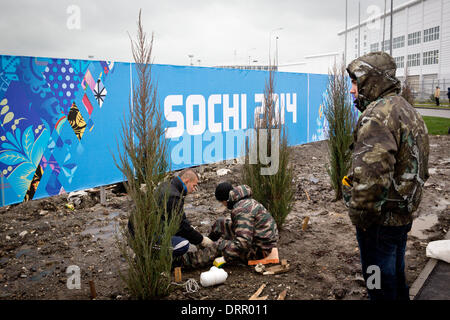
<point x="250" y="234"/>
<point x="173" y="193"/>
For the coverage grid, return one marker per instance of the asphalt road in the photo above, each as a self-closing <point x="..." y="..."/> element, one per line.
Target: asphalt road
<point x="434" y="112"/>
<point x="436" y="285"/>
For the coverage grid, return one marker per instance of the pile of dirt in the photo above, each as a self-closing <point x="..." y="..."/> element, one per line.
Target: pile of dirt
<point x="40" y="239"/>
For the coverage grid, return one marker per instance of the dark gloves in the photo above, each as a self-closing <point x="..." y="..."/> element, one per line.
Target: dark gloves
<point x="214" y="236"/>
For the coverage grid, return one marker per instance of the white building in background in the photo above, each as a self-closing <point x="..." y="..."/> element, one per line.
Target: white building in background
<point x="420" y="46"/>
<point x="319" y="63"/>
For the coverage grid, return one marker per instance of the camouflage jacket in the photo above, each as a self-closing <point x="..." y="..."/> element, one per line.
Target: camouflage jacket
<point x="253" y="226"/>
<point x="389" y="152"/>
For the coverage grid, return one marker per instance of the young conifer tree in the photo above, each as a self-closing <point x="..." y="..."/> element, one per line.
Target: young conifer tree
<point x="274" y="190"/>
<point x="407" y="92"/>
<point x="144" y="161"/>
<point x="341" y="120"/>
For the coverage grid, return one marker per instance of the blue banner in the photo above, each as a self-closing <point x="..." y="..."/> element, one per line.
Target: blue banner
<point x="61" y="118"/>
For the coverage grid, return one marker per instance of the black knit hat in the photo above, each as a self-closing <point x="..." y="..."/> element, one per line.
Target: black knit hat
<point x="223" y="191"/>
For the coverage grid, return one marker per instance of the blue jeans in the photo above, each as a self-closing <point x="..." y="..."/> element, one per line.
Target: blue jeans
<point x="179" y="245"/>
<point x="385" y="247"/>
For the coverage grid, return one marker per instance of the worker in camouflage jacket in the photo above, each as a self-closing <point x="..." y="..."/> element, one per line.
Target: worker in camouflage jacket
<point x="250" y="234"/>
<point x="389" y="168"/>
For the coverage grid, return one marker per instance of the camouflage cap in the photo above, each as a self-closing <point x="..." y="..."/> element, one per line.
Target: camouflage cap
<point x="375" y="76"/>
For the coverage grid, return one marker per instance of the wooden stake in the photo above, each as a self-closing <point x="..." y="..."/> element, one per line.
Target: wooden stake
<point x="177" y="274"/>
<point x="305" y="223"/>
<point x="307" y="195"/>
<point x="93" y="292"/>
<point x="256" y="296"/>
<point x="277" y="269"/>
<point x="282" y="295"/>
<point x="102" y="195"/>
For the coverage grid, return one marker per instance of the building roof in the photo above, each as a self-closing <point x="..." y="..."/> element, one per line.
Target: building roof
<point x="321" y="55"/>
<point x="399" y="8"/>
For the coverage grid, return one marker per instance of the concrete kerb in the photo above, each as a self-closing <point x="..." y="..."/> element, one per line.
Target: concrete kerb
<point x="423" y="276"/>
<point x="431" y="108"/>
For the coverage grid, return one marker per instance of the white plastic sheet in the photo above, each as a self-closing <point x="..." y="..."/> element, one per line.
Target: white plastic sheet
<point x="439" y="250"/>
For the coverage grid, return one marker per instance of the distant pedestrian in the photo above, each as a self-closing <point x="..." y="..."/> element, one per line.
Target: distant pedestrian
<point x="448" y="95"/>
<point x="437" y="93"/>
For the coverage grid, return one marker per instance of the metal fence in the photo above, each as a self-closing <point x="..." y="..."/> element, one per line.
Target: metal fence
<point x="424" y="90"/>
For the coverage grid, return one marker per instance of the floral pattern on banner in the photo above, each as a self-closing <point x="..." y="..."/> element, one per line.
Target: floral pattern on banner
<point x="40" y="125"/>
<point x="21" y="152"/>
<point x="321" y="125"/>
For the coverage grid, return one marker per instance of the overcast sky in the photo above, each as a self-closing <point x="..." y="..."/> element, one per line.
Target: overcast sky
<point x="216" y="32"/>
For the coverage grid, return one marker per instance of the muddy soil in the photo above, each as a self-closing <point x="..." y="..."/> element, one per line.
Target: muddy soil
<point x="40" y="239"/>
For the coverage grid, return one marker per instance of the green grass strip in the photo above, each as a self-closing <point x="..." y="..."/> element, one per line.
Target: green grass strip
<point x="437" y="125"/>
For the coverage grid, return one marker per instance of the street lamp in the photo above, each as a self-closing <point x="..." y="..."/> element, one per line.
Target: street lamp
<point x="249" y="56"/>
<point x="276" y="51"/>
<point x="270" y="39"/>
<point x="390" y="41"/>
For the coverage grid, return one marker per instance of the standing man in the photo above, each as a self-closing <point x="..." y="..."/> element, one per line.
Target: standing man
<point x="437" y="93"/>
<point x="173" y="193"/>
<point x="389" y="168"/>
<point x="448" y="95"/>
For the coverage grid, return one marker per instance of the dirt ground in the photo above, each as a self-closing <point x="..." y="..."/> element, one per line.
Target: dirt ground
<point x="40" y="239"/>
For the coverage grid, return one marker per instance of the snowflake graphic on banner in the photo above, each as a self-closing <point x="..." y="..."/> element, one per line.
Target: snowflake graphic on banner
<point x="100" y="92"/>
